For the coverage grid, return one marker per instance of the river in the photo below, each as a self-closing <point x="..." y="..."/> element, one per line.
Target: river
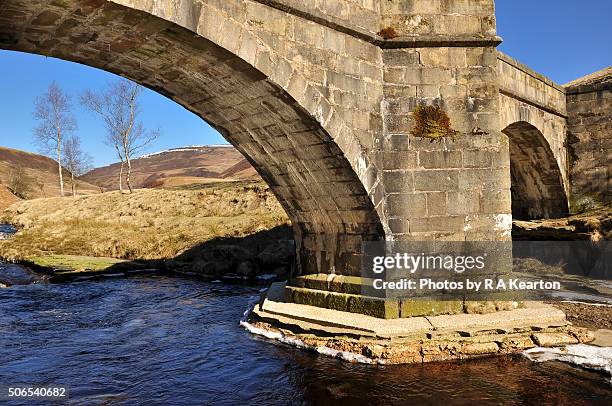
<point x="175" y="341"/>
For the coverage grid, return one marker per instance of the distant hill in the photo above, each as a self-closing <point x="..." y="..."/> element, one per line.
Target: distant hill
<point x="178" y="166"/>
<point x="40" y="173"/>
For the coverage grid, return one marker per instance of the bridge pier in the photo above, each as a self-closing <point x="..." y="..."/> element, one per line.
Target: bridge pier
<point x="443" y="166"/>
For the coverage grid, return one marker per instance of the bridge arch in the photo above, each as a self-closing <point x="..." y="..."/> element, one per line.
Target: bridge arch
<point x="537" y="185"/>
<point x="533" y="110"/>
<point x="216" y="67"/>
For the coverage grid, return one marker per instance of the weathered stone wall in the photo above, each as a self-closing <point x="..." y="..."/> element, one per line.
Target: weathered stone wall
<point x="459" y="19"/>
<point x="589" y="105"/>
<point x="359" y="17"/>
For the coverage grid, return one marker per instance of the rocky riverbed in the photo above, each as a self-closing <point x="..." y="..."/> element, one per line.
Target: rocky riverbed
<point x="594" y="225"/>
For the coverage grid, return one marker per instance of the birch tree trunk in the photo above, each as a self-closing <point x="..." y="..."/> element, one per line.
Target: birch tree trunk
<point x="129" y="173"/>
<point x="121" y="177"/>
<point x="72" y="184"/>
<point x="59" y="163"/>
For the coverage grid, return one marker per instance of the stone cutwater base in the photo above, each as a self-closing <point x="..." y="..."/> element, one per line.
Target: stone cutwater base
<point x="410" y="340"/>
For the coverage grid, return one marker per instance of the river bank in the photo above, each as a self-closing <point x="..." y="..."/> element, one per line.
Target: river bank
<point x="74" y="268"/>
<point x="229" y="230"/>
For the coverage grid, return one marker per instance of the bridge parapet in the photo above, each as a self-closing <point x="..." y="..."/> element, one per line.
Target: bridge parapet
<point x="520" y="82"/>
<point x="453" y="19"/>
<point x="360" y="18"/>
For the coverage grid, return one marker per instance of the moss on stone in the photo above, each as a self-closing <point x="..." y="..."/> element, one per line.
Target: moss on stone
<point x="312" y="281"/>
<point x="349" y="284"/>
<point x="371" y="306"/>
<point x="60" y="3"/>
<point x="339" y="283"/>
<point x="384" y="309"/>
<point x="339" y="301"/>
<point x="415" y="308"/>
<point x="311" y="297"/>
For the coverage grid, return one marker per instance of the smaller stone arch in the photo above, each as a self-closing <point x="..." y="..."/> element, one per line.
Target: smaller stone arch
<point x="537" y="183"/>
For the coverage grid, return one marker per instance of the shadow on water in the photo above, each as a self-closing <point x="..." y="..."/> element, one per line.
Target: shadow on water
<point x="11" y="274"/>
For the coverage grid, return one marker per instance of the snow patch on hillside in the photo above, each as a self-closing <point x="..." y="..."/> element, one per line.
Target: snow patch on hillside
<point x="185" y="148"/>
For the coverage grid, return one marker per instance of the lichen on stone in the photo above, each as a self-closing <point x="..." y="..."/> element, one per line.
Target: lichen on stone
<point x="60" y="3"/>
<point x="432" y="122"/>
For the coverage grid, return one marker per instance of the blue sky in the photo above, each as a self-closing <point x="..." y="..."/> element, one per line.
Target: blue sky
<point x="563" y="39"/>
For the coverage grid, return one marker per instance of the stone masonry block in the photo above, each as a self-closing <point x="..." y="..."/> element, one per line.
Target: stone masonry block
<point x="436" y="204"/>
<point x="440" y="159"/>
<point x="483" y="179"/>
<point x="398" y="181"/>
<point x="478" y="158"/>
<point x="436" y="180"/>
<point x="400" y="160"/>
<point x="399" y="226"/>
<point x="407" y="205"/>
<point x="446" y="224"/>
<point x="496" y="201"/>
<point x="463" y="202"/>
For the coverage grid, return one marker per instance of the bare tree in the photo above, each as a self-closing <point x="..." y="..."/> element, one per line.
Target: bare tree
<point x="53" y="111"/>
<point x="119" y="108"/>
<point x="75" y="160"/>
<point x="19" y="182"/>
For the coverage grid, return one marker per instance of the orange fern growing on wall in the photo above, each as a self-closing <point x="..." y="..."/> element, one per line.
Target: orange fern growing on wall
<point x="432" y="122"/>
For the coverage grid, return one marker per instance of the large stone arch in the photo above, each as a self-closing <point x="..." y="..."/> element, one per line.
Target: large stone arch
<point x="216" y="67"/>
<point x="536" y="181"/>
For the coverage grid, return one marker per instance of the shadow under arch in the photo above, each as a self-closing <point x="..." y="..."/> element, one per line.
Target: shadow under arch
<point x="327" y="202"/>
<point x="537" y="184"/>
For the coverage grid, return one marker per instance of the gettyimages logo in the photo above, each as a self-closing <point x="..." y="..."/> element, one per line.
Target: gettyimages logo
<point x="412" y="263"/>
<point x="523" y="270"/>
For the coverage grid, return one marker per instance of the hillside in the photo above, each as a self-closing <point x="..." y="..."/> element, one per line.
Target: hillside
<point x="180" y="166"/>
<point x="6" y="197"/>
<point x="40" y="173"/>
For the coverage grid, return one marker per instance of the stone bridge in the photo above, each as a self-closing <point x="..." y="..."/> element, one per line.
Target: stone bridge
<point x="324" y="98"/>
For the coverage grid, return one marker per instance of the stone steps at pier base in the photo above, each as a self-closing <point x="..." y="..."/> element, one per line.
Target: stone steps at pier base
<point x="416" y="339"/>
<point x="346" y="294"/>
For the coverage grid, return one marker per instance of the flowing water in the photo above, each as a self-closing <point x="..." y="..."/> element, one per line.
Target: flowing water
<point x="166" y="341"/>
